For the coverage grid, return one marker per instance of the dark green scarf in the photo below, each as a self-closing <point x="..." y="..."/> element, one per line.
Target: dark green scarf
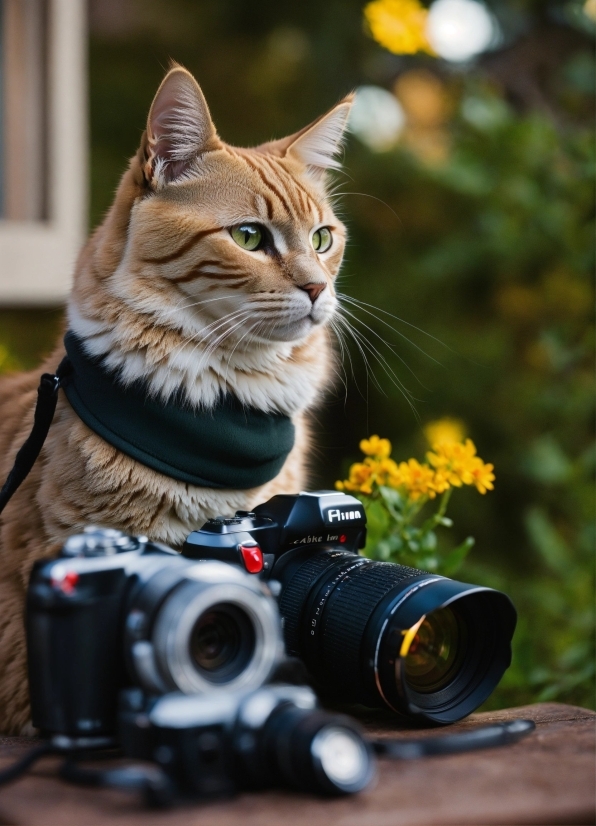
<point x="228" y="446"/>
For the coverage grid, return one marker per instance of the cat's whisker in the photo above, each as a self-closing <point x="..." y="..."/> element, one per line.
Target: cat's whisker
<point x="391" y="347"/>
<point x="374" y="197"/>
<point x="369" y="370"/>
<point x="362" y="304"/>
<point x="240" y="317"/>
<point x="211" y="328"/>
<point x="363" y="342"/>
<point x="363" y="337"/>
<point x="342" y="348"/>
<point x="204" y="335"/>
<point x="206" y="356"/>
<point x="242" y="337"/>
<point x="179" y="306"/>
<point x="340" y="320"/>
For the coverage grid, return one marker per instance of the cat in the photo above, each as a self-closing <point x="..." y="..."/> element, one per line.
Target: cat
<point x="212" y="273"/>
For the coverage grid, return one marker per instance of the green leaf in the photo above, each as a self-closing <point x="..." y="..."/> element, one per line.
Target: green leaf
<point x="546" y="462"/>
<point x="547" y="540"/>
<point x="428" y="542"/>
<point x="452" y="561"/>
<point x="392" y="497"/>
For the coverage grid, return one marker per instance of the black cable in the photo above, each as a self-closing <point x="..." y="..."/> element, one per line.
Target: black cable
<point x="20" y="767"/>
<point x="154" y="784"/>
<point x="499" y="734"/>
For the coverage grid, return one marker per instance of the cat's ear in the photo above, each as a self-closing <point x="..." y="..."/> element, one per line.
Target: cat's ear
<point x="179" y="127"/>
<point x="317" y="146"/>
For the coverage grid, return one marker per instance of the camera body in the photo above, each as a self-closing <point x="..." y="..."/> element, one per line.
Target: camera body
<point x="369" y="632"/>
<point x="258" y="540"/>
<point x="274" y="736"/>
<point x="114" y="611"/>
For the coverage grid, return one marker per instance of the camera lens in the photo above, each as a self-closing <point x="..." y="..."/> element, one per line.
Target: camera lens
<point x="193" y="626"/>
<point x="377" y="633"/>
<point x="341" y="758"/>
<point x="222" y="642"/>
<point x="316" y="751"/>
<point x="433" y="650"/>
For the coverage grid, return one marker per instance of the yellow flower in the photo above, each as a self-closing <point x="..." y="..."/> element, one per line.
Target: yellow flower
<point x="445" y="430"/>
<point x="457" y="464"/>
<point x="483" y="477"/>
<point x="451" y="463"/>
<point x="417" y="479"/>
<point x="440" y="482"/>
<point x="398" y="25"/>
<point x="380" y="448"/>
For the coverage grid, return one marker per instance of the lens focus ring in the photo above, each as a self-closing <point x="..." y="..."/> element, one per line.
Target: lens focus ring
<point x="347" y="613"/>
<point x="295" y="593"/>
<point x="326" y="605"/>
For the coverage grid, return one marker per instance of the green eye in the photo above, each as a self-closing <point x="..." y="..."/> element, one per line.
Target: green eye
<point x="321" y="239"/>
<point x="247" y="236"/>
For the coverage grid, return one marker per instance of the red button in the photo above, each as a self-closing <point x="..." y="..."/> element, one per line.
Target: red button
<point x="67" y="582"/>
<point x="252" y="556"/>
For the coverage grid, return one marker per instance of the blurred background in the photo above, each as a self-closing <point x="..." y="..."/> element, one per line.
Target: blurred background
<point x="468" y="191"/>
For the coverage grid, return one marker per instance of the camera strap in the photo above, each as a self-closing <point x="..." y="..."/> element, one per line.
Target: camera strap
<point x="47" y="398"/>
<point x="485" y="737"/>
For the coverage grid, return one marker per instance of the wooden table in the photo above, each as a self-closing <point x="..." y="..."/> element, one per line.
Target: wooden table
<point x="546" y="778"/>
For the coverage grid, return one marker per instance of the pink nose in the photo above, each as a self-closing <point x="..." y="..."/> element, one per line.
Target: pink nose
<point x="314" y="290"/>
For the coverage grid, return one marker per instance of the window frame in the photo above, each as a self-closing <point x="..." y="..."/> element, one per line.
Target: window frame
<point x="37" y="258"/>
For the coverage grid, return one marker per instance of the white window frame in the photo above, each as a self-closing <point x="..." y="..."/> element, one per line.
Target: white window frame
<point x="37" y="258"/>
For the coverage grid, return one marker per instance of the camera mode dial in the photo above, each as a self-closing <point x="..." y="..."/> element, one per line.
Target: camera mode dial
<point x="96" y="541"/>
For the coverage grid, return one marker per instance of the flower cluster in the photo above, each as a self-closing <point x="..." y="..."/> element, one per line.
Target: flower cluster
<point x="450" y="464"/>
<point x="456" y="464"/>
<point x="398" y="25"/>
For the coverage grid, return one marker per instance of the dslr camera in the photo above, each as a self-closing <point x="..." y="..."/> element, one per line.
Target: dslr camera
<point x="373" y="633"/>
<point x="114" y="611"/>
<point x="217" y="744"/>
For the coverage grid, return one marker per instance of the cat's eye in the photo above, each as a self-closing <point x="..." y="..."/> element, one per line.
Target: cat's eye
<point x="247" y="236"/>
<point x="321" y="239"/>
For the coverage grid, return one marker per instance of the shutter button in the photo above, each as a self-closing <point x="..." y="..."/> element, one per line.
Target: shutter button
<point x="252" y="556"/>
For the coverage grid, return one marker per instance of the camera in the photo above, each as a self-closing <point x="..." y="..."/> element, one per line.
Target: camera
<point x="114" y="611"/>
<point x="369" y="632"/>
<point x="218" y="744"/>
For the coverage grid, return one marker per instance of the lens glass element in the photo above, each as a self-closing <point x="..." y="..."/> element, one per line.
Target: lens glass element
<point x="222" y="642"/>
<point x="343" y="757"/>
<point x="434" y="651"/>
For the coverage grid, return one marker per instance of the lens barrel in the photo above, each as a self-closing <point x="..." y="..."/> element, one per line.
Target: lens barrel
<point x="202" y="627"/>
<point x="383" y="634"/>
<point x="315" y="751"/>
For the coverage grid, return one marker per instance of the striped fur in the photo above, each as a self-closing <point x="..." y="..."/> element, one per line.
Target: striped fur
<point x="163" y="293"/>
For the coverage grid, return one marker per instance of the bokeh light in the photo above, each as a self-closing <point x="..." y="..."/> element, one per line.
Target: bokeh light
<point x="459" y="29"/>
<point x="377" y="118"/>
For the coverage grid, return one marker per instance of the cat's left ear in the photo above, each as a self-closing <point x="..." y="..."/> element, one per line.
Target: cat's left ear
<point x="317" y="146"/>
<point x="179" y="127"/>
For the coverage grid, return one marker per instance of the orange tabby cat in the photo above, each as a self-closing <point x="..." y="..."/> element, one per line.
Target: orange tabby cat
<point x="212" y="273"/>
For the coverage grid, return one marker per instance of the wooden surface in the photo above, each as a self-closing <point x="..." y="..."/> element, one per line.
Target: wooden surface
<point x="546" y="778"/>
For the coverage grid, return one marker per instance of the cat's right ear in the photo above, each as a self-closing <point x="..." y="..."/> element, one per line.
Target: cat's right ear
<point x="179" y="128"/>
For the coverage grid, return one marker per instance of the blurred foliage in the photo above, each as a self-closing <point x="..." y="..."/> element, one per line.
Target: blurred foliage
<point x="476" y="228"/>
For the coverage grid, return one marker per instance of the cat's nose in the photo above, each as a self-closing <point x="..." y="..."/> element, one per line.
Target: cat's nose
<point x="313" y="289"/>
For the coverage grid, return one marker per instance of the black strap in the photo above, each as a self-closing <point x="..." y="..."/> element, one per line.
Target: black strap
<point x="47" y="398"/>
<point x="15" y="770"/>
<point x="157" y="789"/>
<point x="499" y="734"/>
